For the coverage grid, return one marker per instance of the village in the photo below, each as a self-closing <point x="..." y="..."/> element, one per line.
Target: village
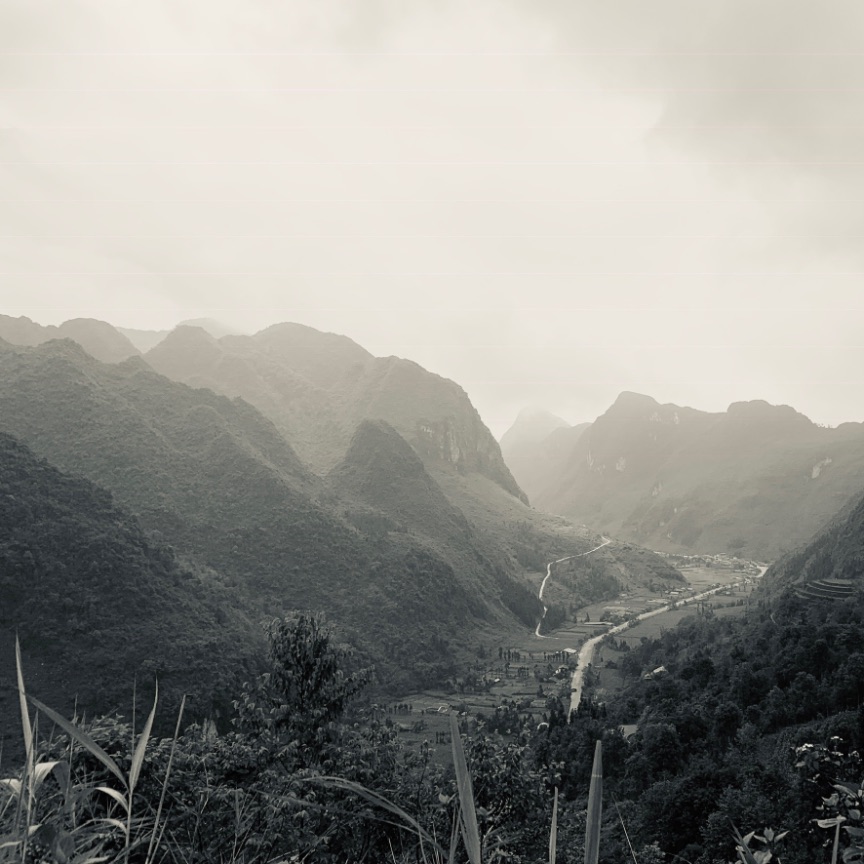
<point x="528" y="674"/>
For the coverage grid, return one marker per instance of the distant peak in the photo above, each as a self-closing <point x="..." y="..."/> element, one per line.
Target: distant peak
<point x="376" y="445"/>
<point x="191" y="333"/>
<point x="302" y="334"/>
<point x="215" y="328"/>
<point x="632" y="404"/>
<point x="532" y="425"/>
<point x="628" y="397"/>
<point x="534" y="412"/>
<point x="65" y="347"/>
<point x="758" y="410"/>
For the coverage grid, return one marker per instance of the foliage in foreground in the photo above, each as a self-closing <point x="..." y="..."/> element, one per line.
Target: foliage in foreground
<point x="306" y="775"/>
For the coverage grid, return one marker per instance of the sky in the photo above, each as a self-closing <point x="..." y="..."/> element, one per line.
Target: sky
<point x="548" y="202"/>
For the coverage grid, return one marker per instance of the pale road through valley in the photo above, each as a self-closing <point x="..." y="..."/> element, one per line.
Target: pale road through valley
<point x="606" y="542"/>
<point x="586" y="652"/>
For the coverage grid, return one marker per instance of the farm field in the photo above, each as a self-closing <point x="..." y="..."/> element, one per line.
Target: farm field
<point x="528" y="677"/>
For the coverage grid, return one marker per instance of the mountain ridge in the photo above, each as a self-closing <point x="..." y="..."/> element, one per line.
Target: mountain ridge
<point x="755" y="480"/>
<point x="317" y="387"/>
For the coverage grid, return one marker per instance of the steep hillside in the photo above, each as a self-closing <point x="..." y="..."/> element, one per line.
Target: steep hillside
<point x="534" y="447"/>
<point x="831" y="566"/>
<point x="220" y="484"/>
<point x="97" y="603"/>
<point x="382" y="471"/>
<point x="756" y="480"/>
<point x="97" y="338"/>
<point x="317" y="387"/>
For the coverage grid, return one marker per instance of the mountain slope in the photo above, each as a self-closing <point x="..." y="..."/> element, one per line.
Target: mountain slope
<point x="831" y="565"/>
<point x="317" y="387"/>
<point x="97" y="338"/>
<point x="220" y="483"/>
<point x="754" y="480"/>
<point x="381" y="470"/>
<point x="97" y="602"/>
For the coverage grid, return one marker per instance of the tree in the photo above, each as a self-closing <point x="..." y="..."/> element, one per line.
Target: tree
<point x="299" y="704"/>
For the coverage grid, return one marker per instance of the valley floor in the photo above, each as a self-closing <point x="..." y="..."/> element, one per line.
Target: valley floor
<point x="529" y="677"/>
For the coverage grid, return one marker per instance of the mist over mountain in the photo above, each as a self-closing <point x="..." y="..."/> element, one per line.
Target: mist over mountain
<point x="534" y="446"/>
<point x="144" y="340"/>
<point x="382" y="471"/>
<point x="377" y="544"/>
<point x="755" y="480"/>
<point x="317" y="387"/>
<point x="830" y="567"/>
<point x="97" y="338"/>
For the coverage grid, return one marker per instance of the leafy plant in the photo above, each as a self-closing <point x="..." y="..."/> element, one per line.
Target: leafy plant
<point x="74" y="820"/>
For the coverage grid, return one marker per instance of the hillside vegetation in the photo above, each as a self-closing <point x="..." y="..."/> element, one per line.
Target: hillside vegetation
<point x="216" y="480"/>
<point x="97" y="602"/>
<point x="405" y="575"/>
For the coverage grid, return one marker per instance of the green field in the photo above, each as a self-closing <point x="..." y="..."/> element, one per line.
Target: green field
<point x="518" y="680"/>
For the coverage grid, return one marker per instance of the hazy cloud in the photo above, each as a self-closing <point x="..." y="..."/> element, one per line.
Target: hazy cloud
<point x="547" y="202"/>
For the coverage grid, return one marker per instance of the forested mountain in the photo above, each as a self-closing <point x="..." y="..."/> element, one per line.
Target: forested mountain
<point x="317" y="387"/>
<point x="755" y="480"/>
<point x="397" y="566"/>
<point x="218" y="482"/>
<point x="97" y="602"/>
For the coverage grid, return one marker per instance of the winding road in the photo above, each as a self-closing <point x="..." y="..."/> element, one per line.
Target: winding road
<point x="606" y="542"/>
<point x="586" y="652"/>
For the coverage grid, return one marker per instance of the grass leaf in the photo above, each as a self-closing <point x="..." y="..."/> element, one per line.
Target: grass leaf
<point x="140" y="750"/>
<point x="25" y="713"/>
<point x="117" y="796"/>
<point x="153" y="837"/>
<point x="595" y="808"/>
<point x="81" y="737"/>
<point x="379" y="801"/>
<point x="553" y="831"/>
<point x="470" y="830"/>
<point x="741" y="847"/>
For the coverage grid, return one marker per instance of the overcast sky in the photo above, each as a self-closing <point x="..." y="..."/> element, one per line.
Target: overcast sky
<point x="549" y="201"/>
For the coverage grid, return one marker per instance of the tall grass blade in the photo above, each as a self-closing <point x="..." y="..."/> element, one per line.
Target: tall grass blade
<point x="470" y="830"/>
<point x="454" y="837"/>
<point x="81" y="737"/>
<point x="553" y="831"/>
<point x="27" y="779"/>
<point x="745" y="856"/>
<point x="116" y="796"/>
<point x="25" y="713"/>
<point x="154" y="836"/>
<point x="138" y="757"/>
<point x="626" y="834"/>
<point x="379" y="801"/>
<point x="595" y="808"/>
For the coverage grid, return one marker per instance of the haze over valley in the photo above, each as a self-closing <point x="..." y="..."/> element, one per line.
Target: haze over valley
<point x="431" y="432"/>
